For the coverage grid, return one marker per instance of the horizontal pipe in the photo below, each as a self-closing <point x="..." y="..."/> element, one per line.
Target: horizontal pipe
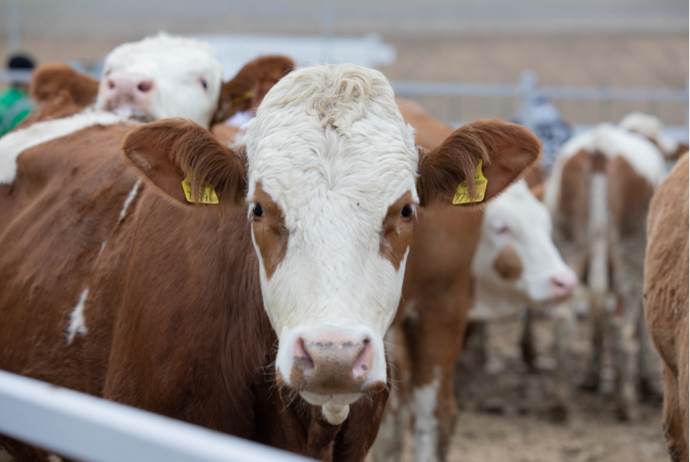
<point x="83" y="427"/>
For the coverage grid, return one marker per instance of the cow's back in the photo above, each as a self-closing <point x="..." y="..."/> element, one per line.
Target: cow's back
<point x="62" y="207"/>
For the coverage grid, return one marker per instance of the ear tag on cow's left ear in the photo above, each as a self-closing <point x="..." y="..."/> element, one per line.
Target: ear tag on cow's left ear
<point x="463" y="194"/>
<point x="207" y="196"/>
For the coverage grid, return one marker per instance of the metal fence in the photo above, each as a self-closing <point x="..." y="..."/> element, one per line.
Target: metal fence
<point x="449" y="100"/>
<point x="84" y="427"/>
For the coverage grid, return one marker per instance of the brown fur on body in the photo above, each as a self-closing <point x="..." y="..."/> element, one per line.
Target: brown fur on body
<point x="666" y="300"/>
<point x="174" y="313"/>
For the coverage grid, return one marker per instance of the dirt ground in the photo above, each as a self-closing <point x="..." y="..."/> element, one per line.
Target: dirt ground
<point x="504" y="417"/>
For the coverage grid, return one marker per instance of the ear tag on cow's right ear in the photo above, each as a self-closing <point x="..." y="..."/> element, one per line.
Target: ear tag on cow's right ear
<point x="207" y="196"/>
<point x="480" y="182"/>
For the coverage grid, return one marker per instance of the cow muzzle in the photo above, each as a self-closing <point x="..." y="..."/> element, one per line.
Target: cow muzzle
<point x="129" y="95"/>
<point x="332" y="367"/>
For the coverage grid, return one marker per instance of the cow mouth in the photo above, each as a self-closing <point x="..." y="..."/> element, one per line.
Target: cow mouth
<point x="132" y="113"/>
<point x="319" y="399"/>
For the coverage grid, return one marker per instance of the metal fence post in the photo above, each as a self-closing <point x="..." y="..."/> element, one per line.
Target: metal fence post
<point x="528" y="86"/>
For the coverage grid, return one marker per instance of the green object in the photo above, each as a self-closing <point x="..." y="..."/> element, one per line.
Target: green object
<point x="15" y="105"/>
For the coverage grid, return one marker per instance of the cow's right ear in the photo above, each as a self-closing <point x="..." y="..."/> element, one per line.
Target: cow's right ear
<point x="52" y="80"/>
<point x="169" y="150"/>
<point x="450" y="173"/>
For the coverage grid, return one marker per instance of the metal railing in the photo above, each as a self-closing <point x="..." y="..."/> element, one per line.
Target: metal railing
<point x="84" y="427"/>
<point x="528" y="90"/>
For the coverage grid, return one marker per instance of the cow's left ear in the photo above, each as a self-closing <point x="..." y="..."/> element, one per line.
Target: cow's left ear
<point x="52" y="80"/>
<point x="248" y="88"/>
<point x="169" y="150"/>
<point x="449" y="173"/>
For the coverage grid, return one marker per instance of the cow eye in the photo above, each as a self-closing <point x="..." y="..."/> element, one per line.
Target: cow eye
<point x="204" y="83"/>
<point x="502" y="230"/>
<point x="406" y="211"/>
<point x="258" y="210"/>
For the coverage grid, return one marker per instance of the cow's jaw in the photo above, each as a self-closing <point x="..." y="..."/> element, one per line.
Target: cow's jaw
<point x="161" y="77"/>
<point x="331" y="244"/>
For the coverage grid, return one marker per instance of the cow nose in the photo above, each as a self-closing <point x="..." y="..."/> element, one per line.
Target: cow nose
<point x="333" y="365"/>
<point x="128" y="88"/>
<point x="563" y="284"/>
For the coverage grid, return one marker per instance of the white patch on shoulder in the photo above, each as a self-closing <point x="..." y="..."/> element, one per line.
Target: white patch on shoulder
<point x="77" y="323"/>
<point x="642" y="155"/>
<point x="424" y="402"/>
<point x="14" y="143"/>
<point x="4" y="456"/>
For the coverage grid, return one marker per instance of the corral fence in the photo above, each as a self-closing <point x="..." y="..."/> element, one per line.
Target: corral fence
<point x="83" y="427"/>
<point x="582" y="107"/>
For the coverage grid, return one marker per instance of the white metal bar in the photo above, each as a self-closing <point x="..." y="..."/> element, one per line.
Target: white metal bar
<point x="84" y="427"/>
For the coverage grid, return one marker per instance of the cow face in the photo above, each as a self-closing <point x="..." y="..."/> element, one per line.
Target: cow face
<point x="332" y="180"/>
<point x="159" y="77"/>
<point x="516" y="257"/>
<point x="332" y="172"/>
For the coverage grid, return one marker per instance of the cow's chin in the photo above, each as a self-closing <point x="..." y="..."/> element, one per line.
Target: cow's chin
<point x="133" y="113"/>
<point x="319" y="399"/>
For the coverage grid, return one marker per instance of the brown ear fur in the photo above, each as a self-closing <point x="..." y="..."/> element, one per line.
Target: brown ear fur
<point x="170" y="149"/>
<point x="505" y="149"/>
<point x="250" y="85"/>
<point x="50" y="80"/>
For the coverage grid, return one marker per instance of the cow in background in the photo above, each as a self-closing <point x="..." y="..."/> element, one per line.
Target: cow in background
<point x="599" y="195"/>
<point x="155" y="78"/>
<point x="666" y="300"/>
<point x="149" y="298"/>
<point x="651" y="128"/>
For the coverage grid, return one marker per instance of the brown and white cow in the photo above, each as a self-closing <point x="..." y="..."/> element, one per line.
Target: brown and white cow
<point x="599" y="195"/>
<point x="261" y="314"/>
<point x="427" y="334"/>
<point x="666" y="299"/>
<point x="154" y="78"/>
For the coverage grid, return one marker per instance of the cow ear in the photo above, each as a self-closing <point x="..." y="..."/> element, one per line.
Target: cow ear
<point x="505" y="150"/>
<point x="169" y="150"/>
<point x="246" y="91"/>
<point x="51" y="81"/>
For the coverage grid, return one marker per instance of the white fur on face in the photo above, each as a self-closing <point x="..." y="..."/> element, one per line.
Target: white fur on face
<point x="176" y="65"/>
<point x="518" y="219"/>
<point x="650" y="127"/>
<point x="330" y="147"/>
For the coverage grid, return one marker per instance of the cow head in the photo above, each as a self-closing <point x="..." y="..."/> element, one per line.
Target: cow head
<point x="155" y="78"/>
<point x="333" y="180"/>
<point x="516" y="258"/>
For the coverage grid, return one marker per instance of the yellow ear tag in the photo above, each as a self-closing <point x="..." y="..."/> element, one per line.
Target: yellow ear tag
<point x="207" y="196"/>
<point x="463" y="194"/>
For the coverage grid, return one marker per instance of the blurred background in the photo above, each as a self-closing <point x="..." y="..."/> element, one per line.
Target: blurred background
<point x="583" y="61"/>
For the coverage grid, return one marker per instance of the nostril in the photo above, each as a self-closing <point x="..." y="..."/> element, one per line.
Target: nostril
<point x="563" y="284"/>
<point x="145" y="86"/>
<point x="364" y="361"/>
<point x="302" y="356"/>
<point x="110" y="84"/>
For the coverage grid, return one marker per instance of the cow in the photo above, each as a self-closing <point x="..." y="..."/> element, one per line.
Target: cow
<point x="651" y="128"/>
<point x="154" y="78"/>
<point x="259" y="308"/>
<point x="599" y="194"/>
<point x="427" y="333"/>
<point x="666" y="300"/>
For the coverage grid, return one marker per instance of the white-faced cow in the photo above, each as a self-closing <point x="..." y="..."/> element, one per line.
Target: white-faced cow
<point x="651" y="128"/>
<point x="599" y="194"/>
<point x="155" y="78"/>
<point x="259" y="312"/>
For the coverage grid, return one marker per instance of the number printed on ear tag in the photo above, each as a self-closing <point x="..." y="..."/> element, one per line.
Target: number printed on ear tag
<point x="463" y="194"/>
<point x="206" y="196"/>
